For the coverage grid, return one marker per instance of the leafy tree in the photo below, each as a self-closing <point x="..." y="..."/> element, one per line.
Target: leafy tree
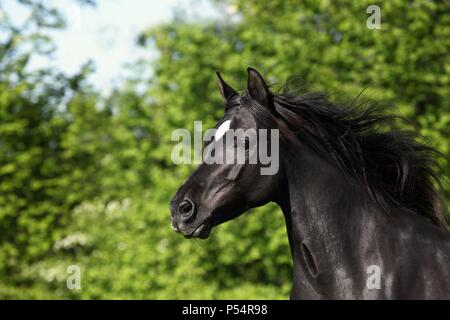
<point x="50" y="138"/>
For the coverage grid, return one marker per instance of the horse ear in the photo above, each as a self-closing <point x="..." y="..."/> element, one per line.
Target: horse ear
<point x="257" y="87"/>
<point x="227" y="92"/>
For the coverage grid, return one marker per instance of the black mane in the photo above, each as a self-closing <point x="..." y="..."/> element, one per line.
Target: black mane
<point x="396" y="169"/>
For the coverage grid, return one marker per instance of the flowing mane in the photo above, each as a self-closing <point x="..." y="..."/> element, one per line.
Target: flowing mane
<point x="396" y="169"/>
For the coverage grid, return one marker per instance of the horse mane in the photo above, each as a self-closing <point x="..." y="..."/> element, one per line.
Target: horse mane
<point x="395" y="169"/>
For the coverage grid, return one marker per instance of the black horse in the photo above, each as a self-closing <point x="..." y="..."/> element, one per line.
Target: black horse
<point x="363" y="217"/>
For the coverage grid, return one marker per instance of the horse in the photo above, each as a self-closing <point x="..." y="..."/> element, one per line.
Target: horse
<point x="359" y="197"/>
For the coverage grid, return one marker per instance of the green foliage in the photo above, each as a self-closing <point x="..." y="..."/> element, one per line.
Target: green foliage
<point x="136" y="255"/>
<point x="51" y="142"/>
<point x="87" y="181"/>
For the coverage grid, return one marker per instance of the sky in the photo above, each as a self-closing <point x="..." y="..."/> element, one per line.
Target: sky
<point x="107" y="33"/>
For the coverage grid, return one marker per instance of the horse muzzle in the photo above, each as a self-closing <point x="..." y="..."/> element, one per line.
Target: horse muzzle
<point x="184" y="216"/>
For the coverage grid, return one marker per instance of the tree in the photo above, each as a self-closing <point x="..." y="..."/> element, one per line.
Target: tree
<point x="50" y="130"/>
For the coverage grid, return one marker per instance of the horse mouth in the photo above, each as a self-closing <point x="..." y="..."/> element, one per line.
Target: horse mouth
<point x="201" y="232"/>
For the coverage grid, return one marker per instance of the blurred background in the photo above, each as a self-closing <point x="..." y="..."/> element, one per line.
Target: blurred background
<point x="90" y="92"/>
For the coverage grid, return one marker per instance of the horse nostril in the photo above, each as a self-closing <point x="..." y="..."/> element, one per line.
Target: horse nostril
<point x="186" y="209"/>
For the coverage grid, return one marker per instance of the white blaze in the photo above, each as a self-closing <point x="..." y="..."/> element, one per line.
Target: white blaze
<point x="222" y="129"/>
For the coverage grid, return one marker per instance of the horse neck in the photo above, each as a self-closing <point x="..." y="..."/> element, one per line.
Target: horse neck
<point x="326" y="214"/>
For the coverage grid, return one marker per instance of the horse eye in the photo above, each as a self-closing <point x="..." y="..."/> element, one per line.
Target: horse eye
<point x="245" y="141"/>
